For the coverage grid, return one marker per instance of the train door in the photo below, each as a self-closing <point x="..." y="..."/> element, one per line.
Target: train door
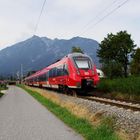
<point x="62" y="75"/>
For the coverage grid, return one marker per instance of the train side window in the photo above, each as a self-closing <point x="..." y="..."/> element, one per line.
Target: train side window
<point x="59" y="70"/>
<point x="39" y="78"/>
<point x="36" y="79"/>
<point x="43" y="77"/>
<point x="54" y="72"/>
<point x="65" y="69"/>
<point x="50" y="73"/>
<point x="47" y="76"/>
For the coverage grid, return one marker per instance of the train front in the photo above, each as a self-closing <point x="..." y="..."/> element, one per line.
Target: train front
<point x="83" y="74"/>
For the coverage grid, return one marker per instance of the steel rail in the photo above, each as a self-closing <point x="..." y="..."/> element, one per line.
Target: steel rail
<point x="132" y="106"/>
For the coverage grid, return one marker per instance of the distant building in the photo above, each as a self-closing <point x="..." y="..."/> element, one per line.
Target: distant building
<point x="100" y="73"/>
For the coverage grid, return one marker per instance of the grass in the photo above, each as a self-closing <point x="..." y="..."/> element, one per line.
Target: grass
<point x="128" y="88"/>
<point x="102" y="132"/>
<point x="2" y="87"/>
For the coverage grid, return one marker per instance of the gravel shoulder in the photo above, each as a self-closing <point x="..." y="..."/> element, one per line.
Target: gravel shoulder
<point x="126" y="120"/>
<point x="23" y="118"/>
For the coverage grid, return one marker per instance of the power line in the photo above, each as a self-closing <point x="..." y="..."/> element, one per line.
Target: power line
<point x="37" y="23"/>
<point x="35" y="29"/>
<point x="98" y="14"/>
<point x="108" y="14"/>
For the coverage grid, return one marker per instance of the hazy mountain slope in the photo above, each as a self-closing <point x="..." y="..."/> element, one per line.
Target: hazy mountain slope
<point x="38" y="52"/>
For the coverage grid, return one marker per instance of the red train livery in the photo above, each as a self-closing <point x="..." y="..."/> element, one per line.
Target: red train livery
<point x="74" y="71"/>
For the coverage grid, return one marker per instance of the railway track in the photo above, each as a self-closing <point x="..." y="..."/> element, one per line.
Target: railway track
<point x="135" y="106"/>
<point x="122" y="104"/>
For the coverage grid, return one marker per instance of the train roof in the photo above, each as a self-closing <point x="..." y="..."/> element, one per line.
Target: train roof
<point x="76" y="54"/>
<point x="38" y="73"/>
<point x="71" y="55"/>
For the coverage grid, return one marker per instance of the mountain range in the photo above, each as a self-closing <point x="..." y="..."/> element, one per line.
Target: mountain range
<point x="38" y="52"/>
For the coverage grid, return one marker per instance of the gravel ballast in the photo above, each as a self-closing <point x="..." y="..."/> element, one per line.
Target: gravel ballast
<point x="127" y="120"/>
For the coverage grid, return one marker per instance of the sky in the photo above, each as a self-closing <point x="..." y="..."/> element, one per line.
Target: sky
<point x="65" y="19"/>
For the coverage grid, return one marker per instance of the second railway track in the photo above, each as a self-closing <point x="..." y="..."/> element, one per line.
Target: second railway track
<point x="122" y="104"/>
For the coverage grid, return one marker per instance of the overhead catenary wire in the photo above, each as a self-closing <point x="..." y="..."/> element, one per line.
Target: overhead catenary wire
<point x="39" y="17"/>
<point x="102" y="18"/>
<point x="35" y="29"/>
<point x="100" y="12"/>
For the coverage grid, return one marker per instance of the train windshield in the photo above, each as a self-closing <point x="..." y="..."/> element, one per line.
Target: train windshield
<point x="83" y="62"/>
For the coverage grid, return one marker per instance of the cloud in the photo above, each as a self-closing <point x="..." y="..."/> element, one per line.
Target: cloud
<point x="66" y="19"/>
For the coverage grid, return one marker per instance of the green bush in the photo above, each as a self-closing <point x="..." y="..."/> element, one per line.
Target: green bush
<point x="130" y="85"/>
<point x="3" y="86"/>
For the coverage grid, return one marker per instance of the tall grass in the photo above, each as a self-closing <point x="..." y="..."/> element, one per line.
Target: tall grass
<point x="128" y="86"/>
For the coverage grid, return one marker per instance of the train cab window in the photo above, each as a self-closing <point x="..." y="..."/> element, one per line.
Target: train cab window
<point x="82" y="63"/>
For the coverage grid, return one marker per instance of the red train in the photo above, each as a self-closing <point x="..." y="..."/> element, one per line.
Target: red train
<point x="74" y="71"/>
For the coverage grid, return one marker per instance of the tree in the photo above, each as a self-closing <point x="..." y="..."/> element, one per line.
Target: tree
<point x="112" y="69"/>
<point x="135" y="64"/>
<point x="76" y="49"/>
<point x="116" y="49"/>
